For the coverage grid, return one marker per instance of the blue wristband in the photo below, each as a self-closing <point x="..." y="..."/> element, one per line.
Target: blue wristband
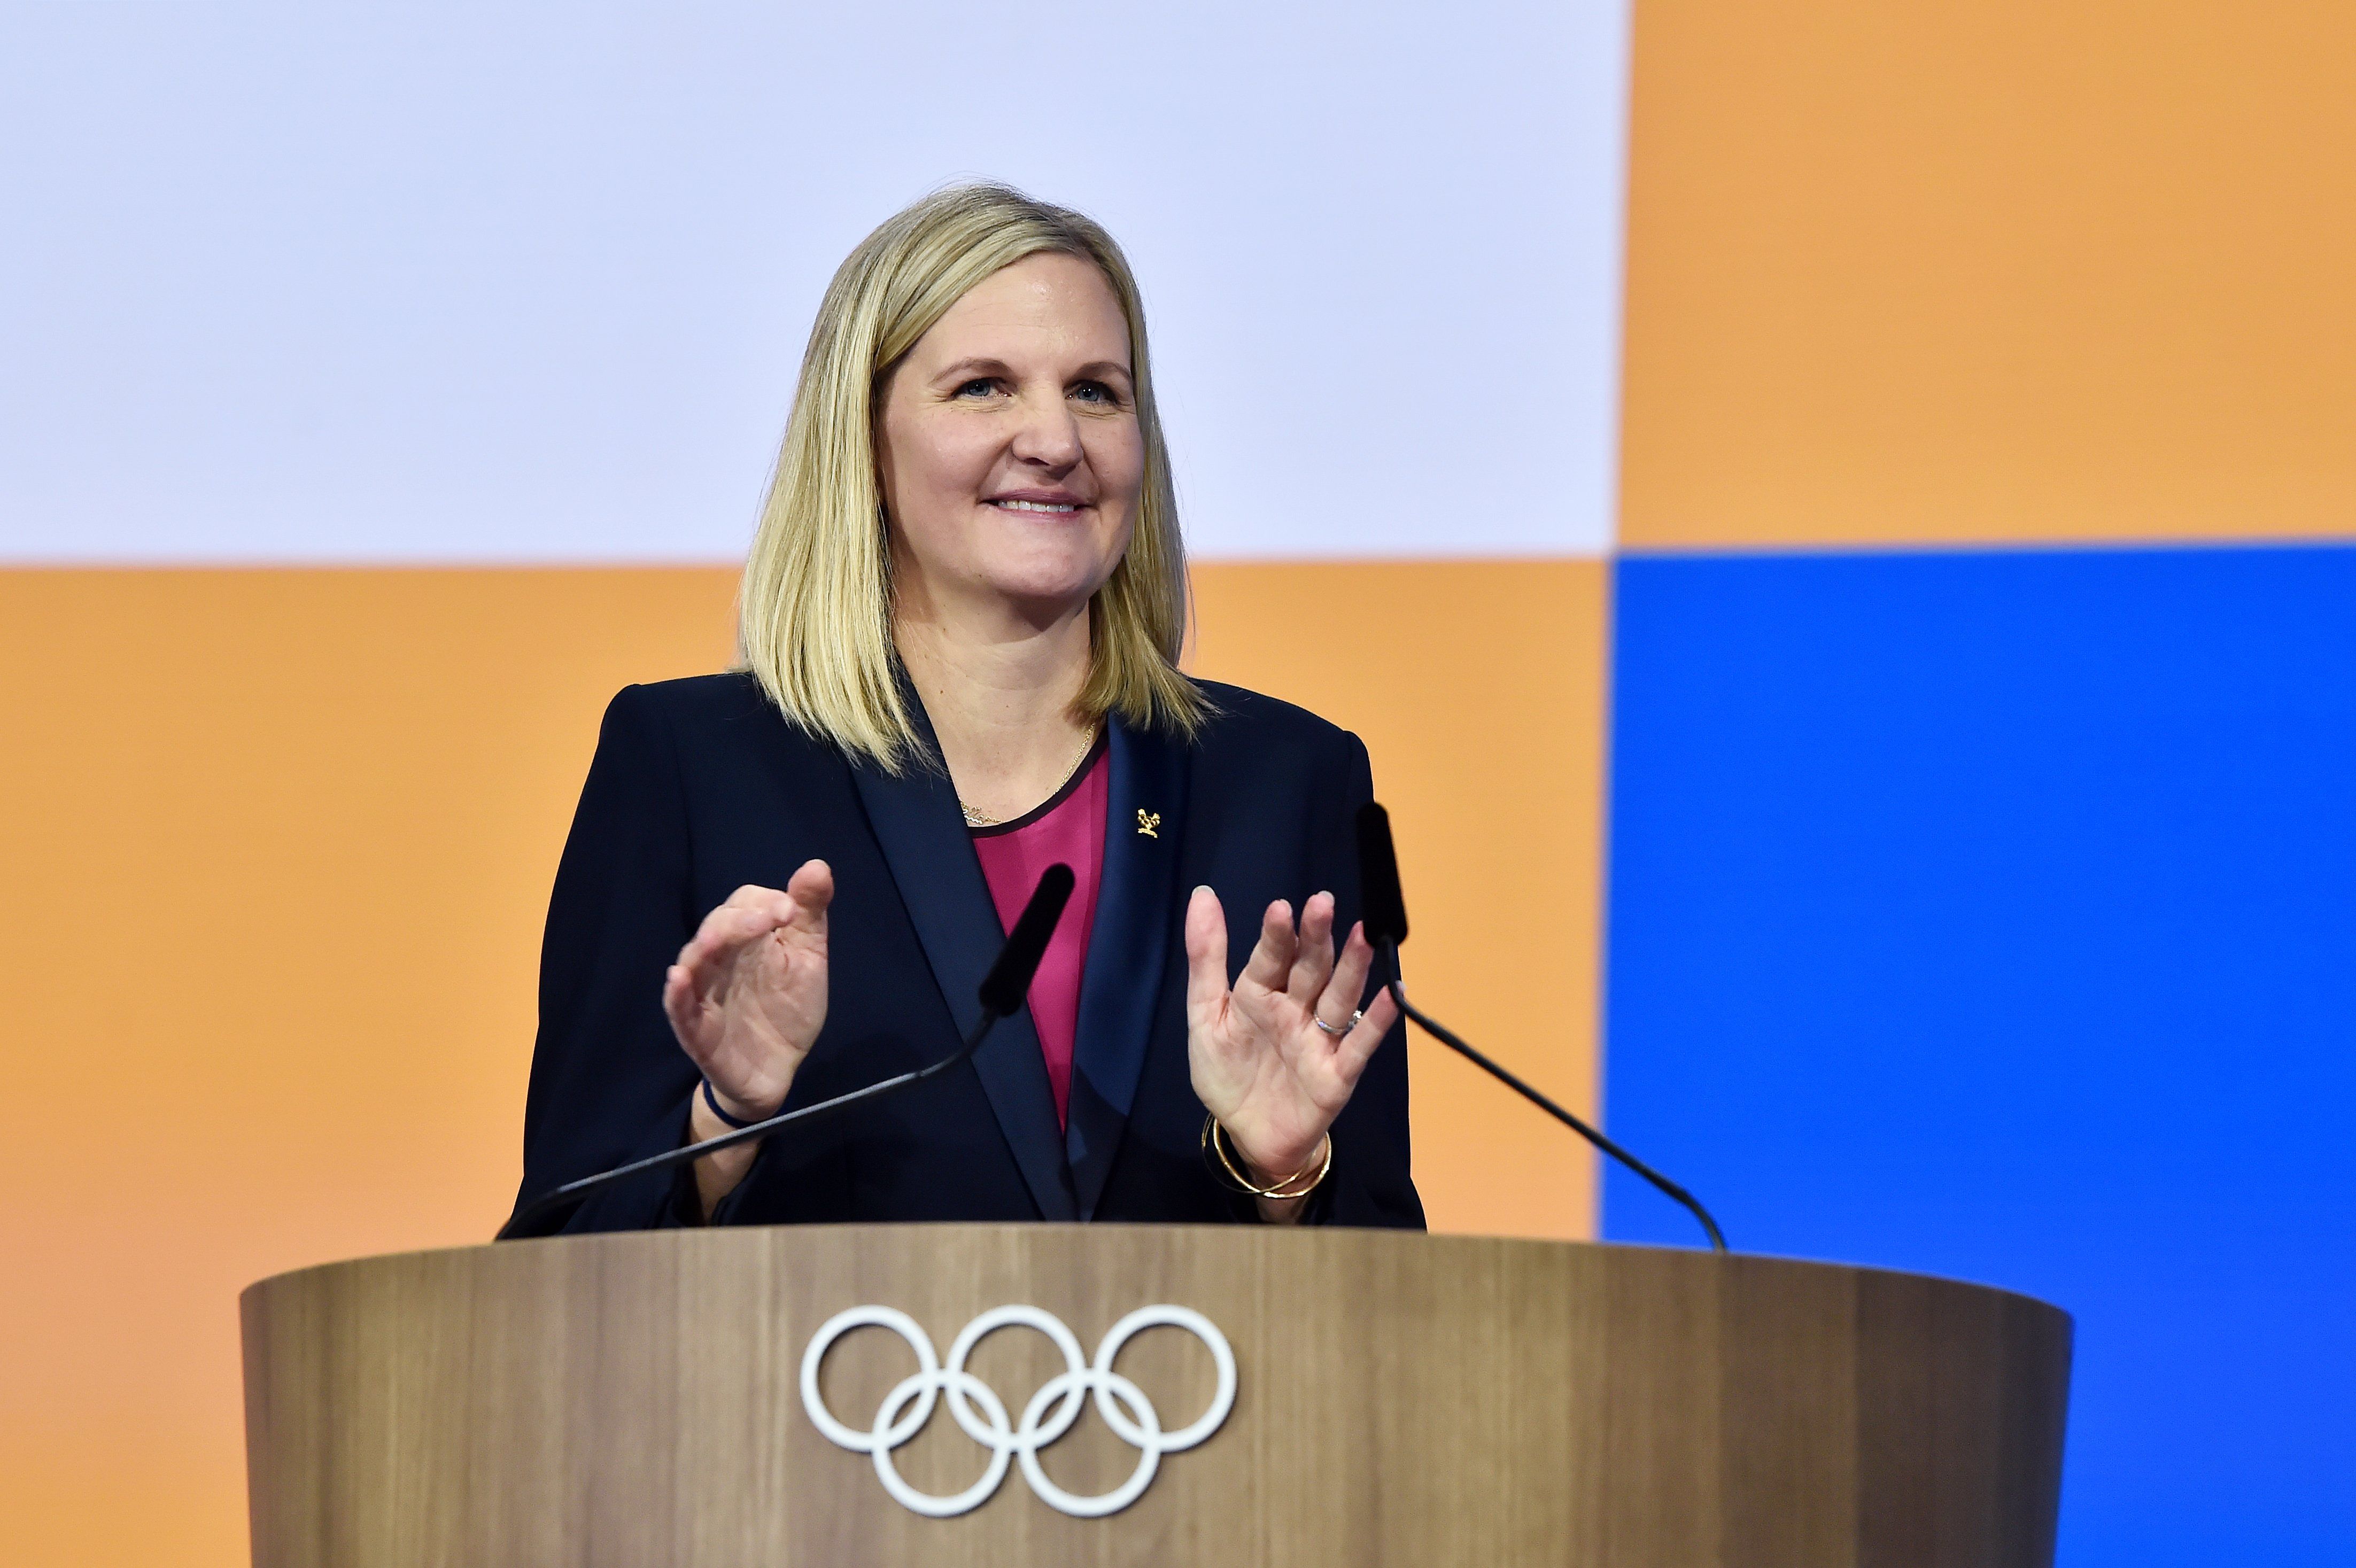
<point x="712" y="1103"/>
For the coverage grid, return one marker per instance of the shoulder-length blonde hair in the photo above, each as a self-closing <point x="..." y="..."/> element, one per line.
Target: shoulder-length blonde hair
<point x="814" y="615"/>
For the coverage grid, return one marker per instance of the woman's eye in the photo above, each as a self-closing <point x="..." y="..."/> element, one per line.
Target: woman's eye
<point x="1095" y="392"/>
<point x="979" y="387"/>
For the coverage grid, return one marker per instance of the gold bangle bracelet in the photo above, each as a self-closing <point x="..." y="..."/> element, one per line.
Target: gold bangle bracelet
<point x="1214" y="1142"/>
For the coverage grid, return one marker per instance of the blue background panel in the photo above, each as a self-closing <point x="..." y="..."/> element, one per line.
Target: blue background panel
<point x="1994" y="915"/>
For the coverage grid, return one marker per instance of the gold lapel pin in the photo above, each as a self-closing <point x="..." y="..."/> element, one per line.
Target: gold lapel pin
<point x="1147" y="821"/>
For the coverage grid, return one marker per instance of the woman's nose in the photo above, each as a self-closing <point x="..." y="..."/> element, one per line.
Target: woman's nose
<point x="1047" y="434"/>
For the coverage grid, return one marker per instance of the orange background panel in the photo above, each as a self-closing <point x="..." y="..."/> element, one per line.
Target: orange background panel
<point x="276" y="846"/>
<point x="1990" y="270"/>
<point x="275" y="849"/>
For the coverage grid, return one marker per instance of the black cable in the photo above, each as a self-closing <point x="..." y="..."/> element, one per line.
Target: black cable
<point x="1387" y="956"/>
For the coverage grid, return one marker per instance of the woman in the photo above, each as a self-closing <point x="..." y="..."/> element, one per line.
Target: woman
<point x="959" y="623"/>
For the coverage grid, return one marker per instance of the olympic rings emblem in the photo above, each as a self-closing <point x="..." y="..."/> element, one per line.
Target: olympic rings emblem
<point x="977" y="1410"/>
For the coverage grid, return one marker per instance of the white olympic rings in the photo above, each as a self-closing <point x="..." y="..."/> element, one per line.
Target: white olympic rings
<point x="977" y="1410"/>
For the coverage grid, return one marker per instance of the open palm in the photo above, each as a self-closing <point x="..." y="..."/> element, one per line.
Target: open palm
<point x="1260" y="1062"/>
<point x="747" y="996"/>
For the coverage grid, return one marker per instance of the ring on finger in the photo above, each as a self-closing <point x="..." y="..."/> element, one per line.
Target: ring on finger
<point x="1337" y="1030"/>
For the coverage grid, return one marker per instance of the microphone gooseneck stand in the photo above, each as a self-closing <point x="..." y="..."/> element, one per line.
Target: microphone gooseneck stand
<point x="1002" y="992"/>
<point x="1387" y="956"/>
<point x="1386" y="926"/>
<point x="574" y="1192"/>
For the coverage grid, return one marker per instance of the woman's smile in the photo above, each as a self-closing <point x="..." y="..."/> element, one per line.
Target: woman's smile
<point x="1037" y="503"/>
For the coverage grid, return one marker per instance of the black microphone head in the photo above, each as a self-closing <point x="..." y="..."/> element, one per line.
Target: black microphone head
<point x="1009" y="980"/>
<point x="1385" y="908"/>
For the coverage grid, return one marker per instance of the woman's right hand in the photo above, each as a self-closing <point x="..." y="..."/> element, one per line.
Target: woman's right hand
<point x="748" y="994"/>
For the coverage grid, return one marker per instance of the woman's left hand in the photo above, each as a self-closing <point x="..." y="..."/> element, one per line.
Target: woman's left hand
<point x="1260" y="1062"/>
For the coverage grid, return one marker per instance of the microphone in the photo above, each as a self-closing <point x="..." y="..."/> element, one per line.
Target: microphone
<point x="1385" y="919"/>
<point x="1009" y="980"/>
<point x="1003" y="991"/>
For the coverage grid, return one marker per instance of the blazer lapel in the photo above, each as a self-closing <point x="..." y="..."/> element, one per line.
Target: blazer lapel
<point x="923" y="835"/>
<point x="1138" y="907"/>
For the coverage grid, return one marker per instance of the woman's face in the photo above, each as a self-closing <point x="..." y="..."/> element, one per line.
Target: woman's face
<point x="1010" y="452"/>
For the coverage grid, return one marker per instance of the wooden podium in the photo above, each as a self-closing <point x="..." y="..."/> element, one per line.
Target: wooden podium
<point x="638" y="1400"/>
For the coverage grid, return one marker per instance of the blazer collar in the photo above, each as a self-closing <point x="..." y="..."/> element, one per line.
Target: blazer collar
<point x="922" y="832"/>
<point x="1138" y="913"/>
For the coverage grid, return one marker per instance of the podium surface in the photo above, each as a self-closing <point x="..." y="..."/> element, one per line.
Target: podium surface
<point x="1392" y="1398"/>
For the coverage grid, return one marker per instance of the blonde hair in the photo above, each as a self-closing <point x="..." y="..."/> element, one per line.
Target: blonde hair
<point x="814" y="613"/>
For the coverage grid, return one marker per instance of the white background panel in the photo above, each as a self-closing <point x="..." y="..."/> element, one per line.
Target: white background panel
<point x="497" y="282"/>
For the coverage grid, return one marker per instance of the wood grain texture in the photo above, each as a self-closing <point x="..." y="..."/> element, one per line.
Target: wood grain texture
<point x="632" y="1399"/>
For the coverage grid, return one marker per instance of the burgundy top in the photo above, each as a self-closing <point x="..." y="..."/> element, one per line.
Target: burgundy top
<point x="1070" y="827"/>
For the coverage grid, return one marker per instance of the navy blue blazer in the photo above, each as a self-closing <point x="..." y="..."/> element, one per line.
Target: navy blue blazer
<point x="701" y="787"/>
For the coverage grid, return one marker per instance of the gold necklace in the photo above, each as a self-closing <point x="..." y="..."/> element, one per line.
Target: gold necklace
<point x="975" y="817"/>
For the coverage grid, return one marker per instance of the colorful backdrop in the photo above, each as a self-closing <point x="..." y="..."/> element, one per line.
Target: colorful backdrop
<point x="1889" y="722"/>
<point x="1983" y="893"/>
